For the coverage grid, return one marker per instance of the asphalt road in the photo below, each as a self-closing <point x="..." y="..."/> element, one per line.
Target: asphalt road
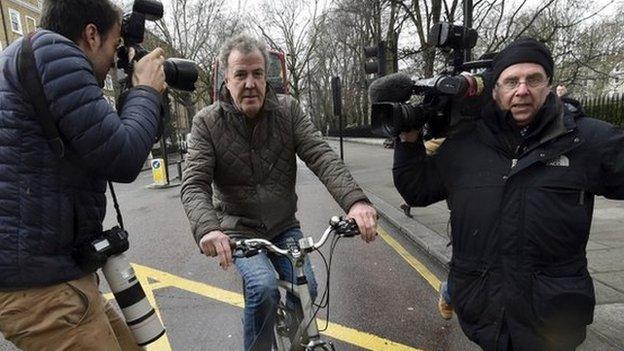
<point x="378" y="300"/>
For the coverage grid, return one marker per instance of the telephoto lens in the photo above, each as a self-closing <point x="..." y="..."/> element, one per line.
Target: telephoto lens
<point x="139" y="314"/>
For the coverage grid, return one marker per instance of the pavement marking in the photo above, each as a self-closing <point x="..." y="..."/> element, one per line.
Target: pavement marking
<point x="364" y="340"/>
<point x="162" y="344"/>
<point x="349" y="335"/>
<point x="417" y="265"/>
<point x="339" y="332"/>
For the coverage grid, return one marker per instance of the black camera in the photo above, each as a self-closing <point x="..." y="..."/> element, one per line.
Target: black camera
<point x="106" y="252"/>
<point x="180" y="74"/>
<point x="446" y="98"/>
<point x="95" y="253"/>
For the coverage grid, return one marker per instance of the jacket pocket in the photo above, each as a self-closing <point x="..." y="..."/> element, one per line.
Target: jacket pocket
<point x="563" y="302"/>
<point x="468" y="289"/>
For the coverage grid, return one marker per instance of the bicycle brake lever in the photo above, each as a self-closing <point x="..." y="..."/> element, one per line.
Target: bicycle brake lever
<point x="348" y="228"/>
<point x="240" y="253"/>
<point x="251" y="252"/>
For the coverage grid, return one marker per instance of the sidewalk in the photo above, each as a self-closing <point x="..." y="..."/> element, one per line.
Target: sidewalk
<point x="372" y="166"/>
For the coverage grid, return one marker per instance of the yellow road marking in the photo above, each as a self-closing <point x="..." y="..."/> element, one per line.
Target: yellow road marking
<point x="334" y="330"/>
<point x="361" y="339"/>
<point x="162" y="344"/>
<point x="158" y="285"/>
<point x="212" y="292"/>
<point x="411" y="260"/>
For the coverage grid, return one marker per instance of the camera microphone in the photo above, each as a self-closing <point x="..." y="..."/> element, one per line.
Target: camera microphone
<point x="395" y="87"/>
<point x="398" y="87"/>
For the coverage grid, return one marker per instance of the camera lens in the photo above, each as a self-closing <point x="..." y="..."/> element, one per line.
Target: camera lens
<point x="180" y="74"/>
<point x="140" y="316"/>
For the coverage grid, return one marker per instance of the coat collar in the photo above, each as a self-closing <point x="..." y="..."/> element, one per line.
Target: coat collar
<point x="552" y="121"/>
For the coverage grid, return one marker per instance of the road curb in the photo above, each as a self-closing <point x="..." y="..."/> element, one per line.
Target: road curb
<point x="369" y="141"/>
<point x="426" y="239"/>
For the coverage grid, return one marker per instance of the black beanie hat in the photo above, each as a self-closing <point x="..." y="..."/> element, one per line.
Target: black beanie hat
<point x="523" y="50"/>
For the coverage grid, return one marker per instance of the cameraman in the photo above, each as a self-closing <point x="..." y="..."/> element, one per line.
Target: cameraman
<point x="520" y="183"/>
<point x="51" y="203"/>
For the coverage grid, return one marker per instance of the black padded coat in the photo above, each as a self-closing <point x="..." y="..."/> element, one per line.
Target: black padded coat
<point x="520" y="220"/>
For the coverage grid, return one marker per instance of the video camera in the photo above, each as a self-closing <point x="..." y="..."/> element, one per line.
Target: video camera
<point x="180" y="74"/>
<point x="447" y="98"/>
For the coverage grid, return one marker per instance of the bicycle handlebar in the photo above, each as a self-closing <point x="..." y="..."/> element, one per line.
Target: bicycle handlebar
<point x="344" y="227"/>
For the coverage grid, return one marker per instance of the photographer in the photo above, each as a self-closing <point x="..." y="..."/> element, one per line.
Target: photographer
<point x="520" y="182"/>
<point x="53" y="200"/>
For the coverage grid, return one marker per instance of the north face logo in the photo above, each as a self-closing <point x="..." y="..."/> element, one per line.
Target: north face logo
<point x="561" y="161"/>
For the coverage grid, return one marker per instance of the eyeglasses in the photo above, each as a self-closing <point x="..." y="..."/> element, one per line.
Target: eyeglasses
<point x="533" y="81"/>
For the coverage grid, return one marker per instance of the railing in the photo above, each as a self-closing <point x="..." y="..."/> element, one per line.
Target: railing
<point x="606" y="108"/>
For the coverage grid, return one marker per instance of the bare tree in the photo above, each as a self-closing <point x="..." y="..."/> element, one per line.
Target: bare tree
<point x="194" y="29"/>
<point x="292" y="25"/>
<point x="583" y="40"/>
<point x="585" y="46"/>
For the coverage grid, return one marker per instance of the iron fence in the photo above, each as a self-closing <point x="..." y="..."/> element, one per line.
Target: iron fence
<point x="606" y="108"/>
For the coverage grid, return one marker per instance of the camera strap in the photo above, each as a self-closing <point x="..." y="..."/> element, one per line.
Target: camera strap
<point x="29" y="76"/>
<point x="116" y="204"/>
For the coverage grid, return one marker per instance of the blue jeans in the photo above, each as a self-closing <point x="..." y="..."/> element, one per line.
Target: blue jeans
<point x="261" y="292"/>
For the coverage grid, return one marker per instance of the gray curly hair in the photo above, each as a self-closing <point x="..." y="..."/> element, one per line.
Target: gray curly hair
<point x="245" y="44"/>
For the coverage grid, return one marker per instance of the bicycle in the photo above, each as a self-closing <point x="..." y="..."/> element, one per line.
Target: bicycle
<point x="293" y="332"/>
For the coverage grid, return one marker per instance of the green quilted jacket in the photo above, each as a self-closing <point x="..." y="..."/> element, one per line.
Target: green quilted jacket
<point x="244" y="183"/>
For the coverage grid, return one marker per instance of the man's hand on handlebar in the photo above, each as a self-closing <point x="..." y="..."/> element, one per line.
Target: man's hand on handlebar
<point x="216" y="243"/>
<point x="366" y="218"/>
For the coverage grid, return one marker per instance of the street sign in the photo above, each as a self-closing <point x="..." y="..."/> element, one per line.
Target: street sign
<point x="159" y="173"/>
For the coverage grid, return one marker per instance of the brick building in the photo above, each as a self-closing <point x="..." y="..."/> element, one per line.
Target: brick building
<point x="18" y="17"/>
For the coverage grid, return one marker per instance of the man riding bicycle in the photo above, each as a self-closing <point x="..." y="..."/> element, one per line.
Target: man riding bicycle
<point x="241" y="174"/>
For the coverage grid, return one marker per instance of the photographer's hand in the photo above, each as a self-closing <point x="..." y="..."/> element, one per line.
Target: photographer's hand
<point x="150" y="71"/>
<point x="410" y="137"/>
<point x="216" y="243"/>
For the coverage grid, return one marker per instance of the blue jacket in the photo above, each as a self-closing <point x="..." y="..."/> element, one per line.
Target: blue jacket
<point x="48" y="205"/>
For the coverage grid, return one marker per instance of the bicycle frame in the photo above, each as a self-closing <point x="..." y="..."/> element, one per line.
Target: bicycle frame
<point x="307" y="325"/>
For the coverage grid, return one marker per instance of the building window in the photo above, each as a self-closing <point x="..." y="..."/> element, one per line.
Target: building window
<point x="16" y="21"/>
<point x="31" y="24"/>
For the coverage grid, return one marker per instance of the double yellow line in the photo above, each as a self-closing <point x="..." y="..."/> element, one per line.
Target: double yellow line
<point x="411" y="260"/>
